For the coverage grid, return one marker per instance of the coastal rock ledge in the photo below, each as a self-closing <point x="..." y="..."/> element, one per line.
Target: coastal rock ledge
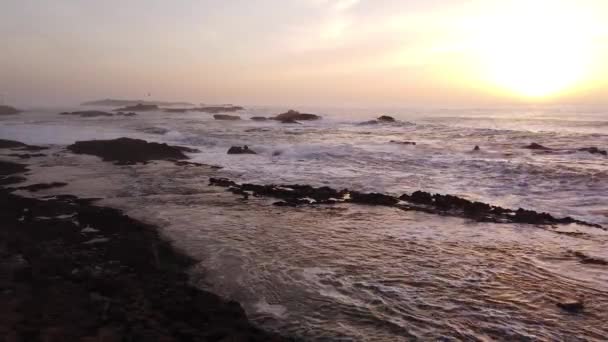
<point x="296" y="194"/>
<point x="90" y="273"/>
<point x="127" y="151"/>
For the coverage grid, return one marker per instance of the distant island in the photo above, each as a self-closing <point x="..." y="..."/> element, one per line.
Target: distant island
<point x="8" y="110"/>
<point x="125" y="103"/>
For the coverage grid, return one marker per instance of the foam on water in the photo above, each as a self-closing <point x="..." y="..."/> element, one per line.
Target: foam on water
<point x="367" y="273"/>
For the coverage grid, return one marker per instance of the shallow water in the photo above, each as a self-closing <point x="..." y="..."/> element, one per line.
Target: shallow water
<point x="367" y="273"/>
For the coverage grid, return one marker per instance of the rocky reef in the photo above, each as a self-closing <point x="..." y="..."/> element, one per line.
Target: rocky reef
<point x="293" y="115"/>
<point x="129" y="151"/>
<point x="296" y="194"/>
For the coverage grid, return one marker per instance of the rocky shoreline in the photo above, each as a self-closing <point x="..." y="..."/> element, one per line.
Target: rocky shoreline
<point x="74" y="271"/>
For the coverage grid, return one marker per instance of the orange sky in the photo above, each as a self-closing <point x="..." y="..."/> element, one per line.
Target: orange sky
<point x="315" y="52"/>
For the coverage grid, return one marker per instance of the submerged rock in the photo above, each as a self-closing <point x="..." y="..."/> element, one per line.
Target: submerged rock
<point x="403" y="142"/>
<point x="8" y="110"/>
<point x="370" y="122"/>
<point x="138" y="108"/>
<point x="594" y="150"/>
<point x="573" y="306"/>
<point x="226" y="117"/>
<point x="88" y="113"/>
<point x="259" y="118"/>
<point x="296" y="116"/>
<point x="129" y="151"/>
<point x="240" y="150"/>
<point x="535" y="146"/>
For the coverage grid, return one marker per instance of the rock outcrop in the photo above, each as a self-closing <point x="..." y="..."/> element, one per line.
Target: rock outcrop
<point x="72" y="271"/>
<point x="259" y="118"/>
<point x="129" y="151"/>
<point x="226" y="117"/>
<point x="240" y="150"/>
<point x="293" y="195"/>
<point x="403" y="142"/>
<point x="386" y="118"/>
<point x="296" y="116"/>
<point x="8" y="110"/>
<point x="16" y="145"/>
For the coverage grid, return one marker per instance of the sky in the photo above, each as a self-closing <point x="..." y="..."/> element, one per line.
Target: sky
<point x="305" y="52"/>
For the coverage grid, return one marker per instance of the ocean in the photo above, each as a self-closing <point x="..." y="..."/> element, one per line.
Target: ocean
<point x="350" y="272"/>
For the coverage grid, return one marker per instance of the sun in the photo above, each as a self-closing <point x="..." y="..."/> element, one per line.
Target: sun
<point x="535" y="49"/>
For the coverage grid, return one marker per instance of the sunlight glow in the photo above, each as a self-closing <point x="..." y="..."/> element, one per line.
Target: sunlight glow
<point x="536" y="49"/>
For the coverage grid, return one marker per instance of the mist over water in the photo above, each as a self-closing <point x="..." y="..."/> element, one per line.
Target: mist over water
<point x="373" y="273"/>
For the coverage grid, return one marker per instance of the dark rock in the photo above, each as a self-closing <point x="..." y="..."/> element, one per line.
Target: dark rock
<point x="594" y="150"/>
<point x="8" y="110"/>
<point x="88" y="113"/>
<point x="240" y="150"/>
<point x="386" y="118"/>
<point x="258" y="118"/>
<point x="296" y="194"/>
<point x="11" y="144"/>
<point x="10" y="168"/>
<point x="218" y="109"/>
<point x="296" y="116"/>
<point x="226" y="117"/>
<point x="138" y="108"/>
<point x="403" y="142"/>
<point x="19" y="146"/>
<point x="132" y="287"/>
<point x="535" y="146"/>
<point x="11" y="180"/>
<point x="129" y="151"/>
<point x="572" y="306"/>
<point x="476" y="148"/>
<point x="372" y="198"/>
